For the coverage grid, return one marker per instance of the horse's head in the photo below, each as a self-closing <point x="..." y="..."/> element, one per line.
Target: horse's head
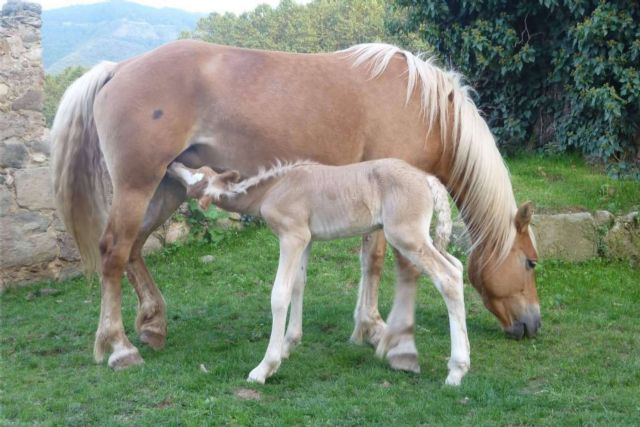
<point x="508" y="289"/>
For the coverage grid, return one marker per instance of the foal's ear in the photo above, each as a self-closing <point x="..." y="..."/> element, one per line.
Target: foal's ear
<point x="204" y="202"/>
<point x="523" y="216"/>
<point x="229" y="176"/>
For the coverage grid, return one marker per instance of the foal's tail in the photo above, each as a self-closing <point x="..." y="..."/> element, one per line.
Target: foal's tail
<point x="443" y="213"/>
<point x="81" y="183"/>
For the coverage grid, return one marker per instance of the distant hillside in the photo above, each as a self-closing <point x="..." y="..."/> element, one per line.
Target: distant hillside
<point x="114" y="30"/>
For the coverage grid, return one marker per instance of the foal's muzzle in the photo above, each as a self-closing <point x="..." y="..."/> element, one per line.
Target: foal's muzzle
<point x="527" y="325"/>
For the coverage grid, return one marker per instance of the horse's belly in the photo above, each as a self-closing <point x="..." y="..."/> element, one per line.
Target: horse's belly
<point x="333" y="222"/>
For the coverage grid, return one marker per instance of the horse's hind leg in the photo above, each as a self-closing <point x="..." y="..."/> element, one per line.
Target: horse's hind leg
<point x="125" y="218"/>
<point x="368" y="322"/>
<point x="447" y="277"/>
<point x="399" y="338"/>
<point x="151" y="323"/>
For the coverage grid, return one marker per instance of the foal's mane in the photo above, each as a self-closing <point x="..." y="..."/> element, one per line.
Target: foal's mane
<point x="280" y="168"/>
<point x="478" y="169"/>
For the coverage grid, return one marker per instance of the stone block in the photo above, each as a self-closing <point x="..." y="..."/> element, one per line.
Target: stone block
<point x="34" y="188"/>
<point x="23" y="243"/>
<point x="32" y="99"/>
<point x="623" y="239"/>
<point x="7" y="202"/>
<point x="571" y="237"/>
<point x="152" y="244"/>
<point x="13" y="154"/>
<point x="176" y="231"/>
<point x="68" y="248"/>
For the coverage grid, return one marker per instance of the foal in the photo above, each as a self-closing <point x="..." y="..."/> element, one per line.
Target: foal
<point x="307" y="201"/>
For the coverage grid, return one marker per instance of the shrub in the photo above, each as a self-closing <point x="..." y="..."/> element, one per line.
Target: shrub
<point x="557" y="73"/>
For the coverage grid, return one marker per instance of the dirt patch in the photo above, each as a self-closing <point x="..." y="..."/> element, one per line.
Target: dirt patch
<point x="247" y="394"/>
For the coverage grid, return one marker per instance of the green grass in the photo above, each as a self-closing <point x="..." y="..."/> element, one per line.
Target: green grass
<point x="566" y="183"/>
<point x="583" y="368"/>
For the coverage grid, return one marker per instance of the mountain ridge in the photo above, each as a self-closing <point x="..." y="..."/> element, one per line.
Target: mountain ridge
<point x="113" y="30"/>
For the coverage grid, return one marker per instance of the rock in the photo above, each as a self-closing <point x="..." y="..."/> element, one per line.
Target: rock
<point x="39" y="158"/>
<point x="176" y="231"/>
<point x="33" y="188"/>
<point x="623" y="239"/>
<point x="13" y="154"/>
<point x="42" y="145"/>
<point x="7" y="204"/>
<point x="16" y="7"/>
<point x="570" y="237"/>
<point x="603" y="218"/>
<point x="31" y="100"/>
<point x="68" y="248"/>
<point x="23" y="243"/>
<point x="4" y="90"/>
<point x="207" y="259"/>
<point x="151" y="245"/>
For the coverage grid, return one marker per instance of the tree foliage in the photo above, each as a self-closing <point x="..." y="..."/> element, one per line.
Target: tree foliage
<point x="54" y="87"/>
<point x="556" y="73"/>
<point x="319" y="26"/>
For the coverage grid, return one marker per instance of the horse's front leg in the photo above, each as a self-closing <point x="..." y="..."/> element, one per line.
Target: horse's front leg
<point x="292" y="249"/>
<point x="294" y="329"/>
<point x="151" y="322"/>
<point x="369" y="325"/>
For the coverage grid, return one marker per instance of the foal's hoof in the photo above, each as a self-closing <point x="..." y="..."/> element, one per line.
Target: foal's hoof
<point x="153" y="339"/>
<point x="125" y="358"/>
<point x="404" y="362"/>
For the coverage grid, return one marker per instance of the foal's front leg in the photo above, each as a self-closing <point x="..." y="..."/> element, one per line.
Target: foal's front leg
<point x="294" y="330"/>
<point x="292" y="249"/>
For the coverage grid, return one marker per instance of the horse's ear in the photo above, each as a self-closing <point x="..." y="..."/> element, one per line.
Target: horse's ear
<point x="204" y="202"/>
<point x="229" y="176"/>
<point x="523" y="216"/>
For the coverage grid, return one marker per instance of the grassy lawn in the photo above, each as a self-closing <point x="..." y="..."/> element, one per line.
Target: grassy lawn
<point x="583" y="368"/>
<point x="566" y="183"/>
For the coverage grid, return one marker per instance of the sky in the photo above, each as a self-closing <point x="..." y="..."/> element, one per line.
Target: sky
<point x="220" y="6"/>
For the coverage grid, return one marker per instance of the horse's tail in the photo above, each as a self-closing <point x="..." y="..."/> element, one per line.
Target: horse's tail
<point x="81" y="183"/>
<point x="443" y="213"/>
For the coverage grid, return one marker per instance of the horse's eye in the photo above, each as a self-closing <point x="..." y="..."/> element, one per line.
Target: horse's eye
<point x="531" y="264"/>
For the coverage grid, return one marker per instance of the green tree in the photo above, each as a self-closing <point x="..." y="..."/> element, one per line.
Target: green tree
<point x="54" y="87"/>
<point x="560" y="73"/>
<point x="319" y="26"/>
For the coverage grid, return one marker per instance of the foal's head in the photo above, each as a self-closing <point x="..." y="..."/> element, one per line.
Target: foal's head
<point x="203" y="183"/>
<point x="508" y="289"/>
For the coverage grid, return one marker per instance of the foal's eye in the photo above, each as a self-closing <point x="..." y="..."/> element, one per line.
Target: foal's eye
<point x="531" y="264"/>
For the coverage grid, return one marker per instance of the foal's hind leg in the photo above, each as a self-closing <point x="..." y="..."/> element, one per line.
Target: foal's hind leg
<point x="368" y="322"/>
<point x="127" y="211"/>
<point x="294" y="329"/>
<point x="399" y="337"/>
<point x="447" y="277"/>
<point x="151" y="323"/>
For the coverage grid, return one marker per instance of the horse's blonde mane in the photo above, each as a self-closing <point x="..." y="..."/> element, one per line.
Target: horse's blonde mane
<point x="278" y="169"/>
<point x="489" y="205"/>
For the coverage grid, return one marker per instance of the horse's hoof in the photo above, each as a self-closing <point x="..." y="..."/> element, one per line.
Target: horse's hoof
<point x="153" y="339"/>
<point x="256" y="376"/>
<point x="125" y="358"/>
<point x="404" y="362"/>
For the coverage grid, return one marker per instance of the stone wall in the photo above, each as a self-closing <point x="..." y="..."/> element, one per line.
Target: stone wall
<point x="32" y="242"/>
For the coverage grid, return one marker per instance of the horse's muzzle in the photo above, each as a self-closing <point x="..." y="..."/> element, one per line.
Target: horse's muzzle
<point x="527" y="325"/>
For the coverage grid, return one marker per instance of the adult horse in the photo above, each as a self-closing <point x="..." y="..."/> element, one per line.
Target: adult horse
<point x="229" y="108"/>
